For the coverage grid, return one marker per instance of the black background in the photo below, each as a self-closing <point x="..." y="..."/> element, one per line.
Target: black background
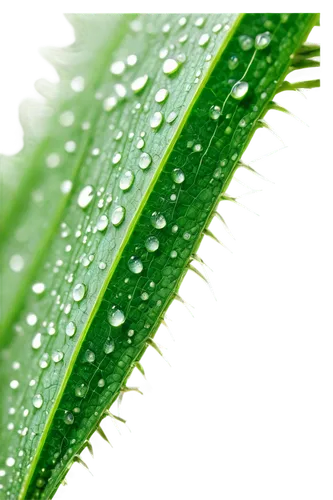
<point x="230" y="407"/>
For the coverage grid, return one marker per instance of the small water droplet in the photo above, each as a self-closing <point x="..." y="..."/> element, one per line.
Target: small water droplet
<point x="89" y="356"/>
<point x="170" y="66"/>
<point x="135" y="265"/>
<point x="102" y="223"/>
<point x="171" y="117"/>
<point x="117" y="68"/>
<point x="69" y="418"/>
<point x="178" y="175"/>
<point x="38" y="288"/>
<point x="215" y="112"/>
<point x="140" y="144"/>
<point x="217" y="28"/>
<point x="158" y="220"/>
<point x="144" y="296"/>
<point x="66" y="119"/>
<point x="152" y="243"/>
<point x="126" y="180"/>
<point x="37" y="400"/>
<point x="139" y="84"/>
<point x="53" y="160"/>
<point x="262" y="41"/>
<point x="102" y="266"/>
<point x="85" y="196"/>
<point x="173" y="254"/>
<point x="161" y="95"/>
<point x="116" y="317"/>
<point x="14" y="384"/>
<point x="110" y="103"/>
<point x="77" y="84"/>
<point x="156" y="120"/>
<point x="31" y="319"/>
<point x="245" y="42"/>
<point x="233" y="62"/>
<point x="16" y="263"/>
<point x="118" y="216"/>
<point x="199" y="22"/>
<point x="57" y="356"/>
<point x="79" y="292"/>
<point x="203" y="40"/>
<point x="36" y="341"/>
<point x="131" y="60"/>
<point x="120" y="90"/>
<point x="70" y="329"/>
<point x="101" y="382"/>
<point x="239" y="90"/>
<point x="109" y="346"/>
<point x="66" y="186"/>
<point x="81" y="390"/>
<point x="144" y="161"/>
<point x="70" y="146"/>
<point x="44" y="361"/>
<point x="116" y="158"/>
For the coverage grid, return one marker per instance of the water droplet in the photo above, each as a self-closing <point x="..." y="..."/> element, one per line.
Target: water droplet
<point x="217" y="28"/>
<point x="126" y="180"/>
<point x="36" y="341"/>
<point x="101" y="383"/>
<point x="161" y="95"/>
<point x="57" y="356"/>
<point x="144" y="161"/>
<point x="140" y="144"/>
<point x="109" y="346"/>
<point x="66" y="119"/>
<point x="233" y="62"/>
<point x="89" y="356"/>
<point x="116" y="317"/>
<point x="14" y="384"/>
<point x="70" y="329"/>
<point x="139" y="84"/>
<point x="110" y="103"/>
<point x="131" y="60"/>
<point x="118" y="216"/>
<point x="31" y="319"/>
<point x="245" y="42"/>
<point x="170" y="66"/>
<point x="16" y="263"/>
<point x="203" y="40"/>
<point x="156" y="120"/>
<point x="79" y="292"/>
<point x="158" y="220"/>
<point x="44" y="361"/>
<point x="163" y="53"/>
<point x="144" y="296"/>
<point x="120" y="90"/>
<point x="239" y="90"/>
<point x="166" y="28"/>
<point x="262" y="41"/>
<point x="81" y="391"/>
<point x="69" y="418"/>
<point x="173" y="254"/>
<point x="37" y="400"/>
<point x="10" y="462"/>
<point x="102" y="223"/>
<point x="152" y="243"/>
<point x="215" y="112"/>
<point x="199" y="22"/>
<point x="53" y="160"/>
<point x="178" y="175"/>
<point x="186" y="236"/>
<point x="117" y="68"/>
<point x="70" y="146"/>
<point x="85" y="196"/>
<point x="38" y="288"/>
<point x="66" y="186"/>
<point x="102" y="266"/>
<point x="135" y="265"/>
<point x="171" y="117"/>
<point x="116" y="158"/>
<point x="77" y="84"/>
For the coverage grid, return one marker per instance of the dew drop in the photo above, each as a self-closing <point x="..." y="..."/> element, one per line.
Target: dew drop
<point x="203" y="40"/>
<point x="144" y="161"/>
<point x="14" y="384"/>
<point x="70" y="146"/>
<point x="233" y="62"/>
<point x="101" y="382"/>
<point x="66" y="119"/>
<point x="158" y="220"/>
<point x="152" y="243"/>
<point x="117" y="68"/>
<point x="116" y="317"/>
<point x="140" y="144"/>
<point x="69" y="418"/>
<point x="81" y="391"/>
<point x="245" y="42"/>
<point x="36" y="341"/>
<point x="79" y="292"/>
<point x="199" y="22"/>
<point x="110" y="103"/>
<point x="120" y="90"/>
<point x="215" y="112"/>
<point x="85" y="196"/>
<point x="102" y="223"/>
<point x="118" y="216"/>
<point x="57" y="356"/>
<point x="131" y="60"/>
<point x="77" y="84"/>
<point x="31" y="319"/>
<point x="10" y="462"/>
<point x="239" y="90"/>
<point x="178" y="175"/>
<point x="171" y="117"/>
<point x="66" y="186"/>
<point x="126" y="180"/>
<point x="173" y="254"/>
<point x="53" y="160"/>
<point x="170" y="66"/>
<point x="109" y="346"/>
<point x="16" y="263"/>
<point x="156" y="120"/>
<point x="70" y="329"/>
<point x="44" y="361"/>
<point x="38" y="288"/>
<point x="102" y="266"/>
<point x="37" y="400"/>
<point x="116" y="158"/>
<point x="139" y="84"/>
<point x="89" y="356"/>
<point x="135" y="265"/>
<point x="262" y="41"/>
<point x="161" y="95"/>
<point x="217" y="28"/>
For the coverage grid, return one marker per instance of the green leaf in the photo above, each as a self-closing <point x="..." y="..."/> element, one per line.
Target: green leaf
<point x="113" y="195"/>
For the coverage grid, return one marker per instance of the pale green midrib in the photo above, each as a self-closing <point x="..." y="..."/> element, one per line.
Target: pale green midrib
<point x="123" y="245"/>
<point x="5" y="324"/>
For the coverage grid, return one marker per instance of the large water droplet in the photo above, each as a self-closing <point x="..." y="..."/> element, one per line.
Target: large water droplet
<point x="126" y="180"/>
<point x="118" y="216"/>
<point x="144" y="161"/>
<point x="116" y="317"/>
<point x="139" y="84"/>
<point x="37" y="400"/>
<point x="158" y="220"/>
<point x="79" y="292"/>
<point x="262" y="41"/>
<point x="152" y="243"/>
<point x="239" y="90"/>
<point x="135" y="265"/>
<point x="70" y="329"/>
<point x="170" y="66"/>
<point x="178" y="175"/>
<point x="85" y="196"/>
<point x="161" y="95"/>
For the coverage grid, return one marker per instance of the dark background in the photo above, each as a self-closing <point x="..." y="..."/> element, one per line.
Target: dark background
<point x="231" y="404"/>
